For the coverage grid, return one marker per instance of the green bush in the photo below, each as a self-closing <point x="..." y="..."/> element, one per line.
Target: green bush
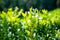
<point x="30" y="25"/>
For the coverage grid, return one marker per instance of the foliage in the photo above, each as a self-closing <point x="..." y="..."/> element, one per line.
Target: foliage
<point x="26" y="4"/>
<point x="30" y="25"/>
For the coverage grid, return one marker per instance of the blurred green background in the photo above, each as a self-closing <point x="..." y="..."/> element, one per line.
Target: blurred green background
<point x="26" y="4"/>
<point x="29" y="19"/>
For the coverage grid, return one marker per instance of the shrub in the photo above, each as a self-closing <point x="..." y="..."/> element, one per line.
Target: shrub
<point x="29" y="25"/>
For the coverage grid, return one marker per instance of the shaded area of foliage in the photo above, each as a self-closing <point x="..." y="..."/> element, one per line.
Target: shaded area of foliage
<point x="26" y="4"/>
<point x="31" y="25"/>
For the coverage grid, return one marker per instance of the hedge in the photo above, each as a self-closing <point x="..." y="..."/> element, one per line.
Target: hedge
<point x="30" y="25"/>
